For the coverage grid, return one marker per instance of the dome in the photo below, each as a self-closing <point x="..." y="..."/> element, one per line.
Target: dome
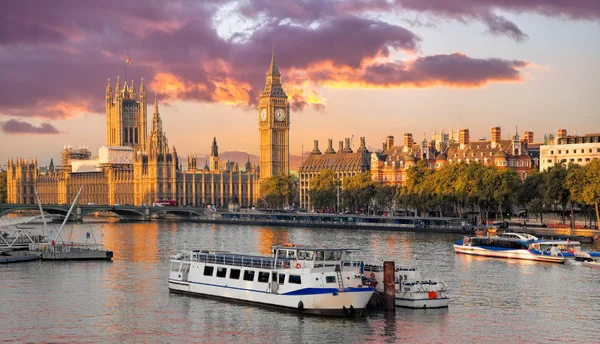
<point x="441" y="156"/>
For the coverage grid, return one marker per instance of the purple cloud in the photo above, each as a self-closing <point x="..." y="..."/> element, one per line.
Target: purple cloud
<point x="15" y="127"/>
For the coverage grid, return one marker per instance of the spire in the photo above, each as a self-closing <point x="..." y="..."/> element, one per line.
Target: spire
<point x="273" y="70"/>
<point x="214" y="149"/>
<point x="155" y="104"/>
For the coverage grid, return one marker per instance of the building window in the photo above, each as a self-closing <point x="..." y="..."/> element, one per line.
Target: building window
<point x="559" y="151"/>
<point x="571" y="160"/>
<point x="597" y="150"/>
<point x="579" y="160"/>
<point x="567" y="152"/>
<point x="587" y="159"/>
<point x="590" y="150"/>
<point x="582" y="151"/>
<point x="551" y="152"/>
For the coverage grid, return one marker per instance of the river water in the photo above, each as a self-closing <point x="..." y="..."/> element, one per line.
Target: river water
<point x="127" y="300"/>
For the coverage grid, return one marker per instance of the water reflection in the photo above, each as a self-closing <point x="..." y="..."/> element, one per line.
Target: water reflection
<point x="492" y="300"/>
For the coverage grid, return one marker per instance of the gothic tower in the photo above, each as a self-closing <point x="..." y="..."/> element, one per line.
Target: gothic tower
<point x="215" y="162"/>
<point x="274" y="125"/>
<point x="126" y="116"/>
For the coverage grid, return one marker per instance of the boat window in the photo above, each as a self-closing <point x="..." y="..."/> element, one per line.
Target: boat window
<point x="263" y="277"/>
<point x="281" y="253"/>
<point x="319" y="255"/>
<point x="248" y="275"/>
<point x="208" y="270"/>
<point x="301" y="255"/>
<point x="291" y="254"/>
<point x="281" y="278"/>
<point x="329" y="255"/>
<point x="337" y="255"/>
<point x="329" y="279"/>
<point x="234" y="274"/>
<point x="296" y="279"/>
<point x="309" y="255"/>
<point x="175" y="266"/>
<point x="221" y="272"/>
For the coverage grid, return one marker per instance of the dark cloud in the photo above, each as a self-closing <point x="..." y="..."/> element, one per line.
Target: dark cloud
<point x="462" y="10"/>
<point x="56" y="56"/>
<point x="14" y="127"/>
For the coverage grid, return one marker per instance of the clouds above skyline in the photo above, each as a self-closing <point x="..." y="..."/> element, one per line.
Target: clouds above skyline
<point x="15" y="127"/>
<point x="57" y="56"/>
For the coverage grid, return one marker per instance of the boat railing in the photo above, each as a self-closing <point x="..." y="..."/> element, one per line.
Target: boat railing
<point x="243" y="261"/>
<point x="65" y="247"/>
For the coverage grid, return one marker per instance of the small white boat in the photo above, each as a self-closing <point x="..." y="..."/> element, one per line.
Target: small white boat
<point x="591" y="264"/>
<point x="317" y="280"/>
<point x="507" y="247"/>
<point x="412" y="290"/>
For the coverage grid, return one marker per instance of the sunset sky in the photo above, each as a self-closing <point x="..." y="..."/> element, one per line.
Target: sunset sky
<point x="358" y="67"/>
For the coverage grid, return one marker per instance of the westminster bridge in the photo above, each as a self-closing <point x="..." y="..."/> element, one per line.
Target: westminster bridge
<point x="125" y="212"/>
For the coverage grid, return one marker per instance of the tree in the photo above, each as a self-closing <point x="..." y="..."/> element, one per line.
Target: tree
<point x="591" y="189"/>
<point x="3" y="191"/>
<point x="575" y="182"/>
<point x="323" y="190"/>
<point x="506" y="188"/>
<point x="358" y="190"/>
<point x="277" y="191"/>
<point x="415" y="185"/>
<point x="531" y="197"/>
<point x="384" y="197"/>
<point x="554" y="190"/>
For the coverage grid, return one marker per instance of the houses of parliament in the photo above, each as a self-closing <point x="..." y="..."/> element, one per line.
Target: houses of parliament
<point x="139" y="168"/>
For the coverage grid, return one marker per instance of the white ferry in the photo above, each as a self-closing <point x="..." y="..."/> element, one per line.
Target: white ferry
<point x="507" y="246"/>
<point x="412" y="290"/>
<point x="317" y="280"/>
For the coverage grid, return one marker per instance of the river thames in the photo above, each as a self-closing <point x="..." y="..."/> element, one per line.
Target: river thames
<point x="127" y="300"/>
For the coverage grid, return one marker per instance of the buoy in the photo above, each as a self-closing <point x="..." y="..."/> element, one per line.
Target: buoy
<point x="298" y="266"/>
<point x="372" y="275"/>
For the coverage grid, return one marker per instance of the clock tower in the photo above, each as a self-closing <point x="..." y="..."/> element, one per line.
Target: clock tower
<point x="274" y="126"/>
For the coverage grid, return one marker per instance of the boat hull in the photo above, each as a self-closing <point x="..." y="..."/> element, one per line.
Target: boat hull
<point x="18" y="259"/>
<point x="422" y="303"/>
<point x="508" y="253"/>
<point x="328" y="301"/>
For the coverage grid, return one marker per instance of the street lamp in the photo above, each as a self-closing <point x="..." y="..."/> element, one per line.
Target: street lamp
<point x="338" y="183"/>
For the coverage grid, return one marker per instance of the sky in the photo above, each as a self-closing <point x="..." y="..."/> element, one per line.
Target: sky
<point x="368" y="68"/>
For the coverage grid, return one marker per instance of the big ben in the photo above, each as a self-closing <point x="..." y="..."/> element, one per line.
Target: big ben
<point x="274" y="126"/>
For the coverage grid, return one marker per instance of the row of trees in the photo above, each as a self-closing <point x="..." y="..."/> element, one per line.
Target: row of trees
<point x="481" y="189"/>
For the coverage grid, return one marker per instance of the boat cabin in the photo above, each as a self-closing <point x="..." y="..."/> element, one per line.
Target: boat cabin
<point x="520" y="236"/>
<point x="557" y="246"/>
<point x="315" y="257"/>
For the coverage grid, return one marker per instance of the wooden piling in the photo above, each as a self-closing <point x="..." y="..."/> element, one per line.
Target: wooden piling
<point x="389" y="290"/>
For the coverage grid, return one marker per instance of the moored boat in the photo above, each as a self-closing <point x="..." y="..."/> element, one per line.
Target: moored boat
<point x="411" y="289"/>
<point x="307" y="279"/>
<point x="506" y="247"/>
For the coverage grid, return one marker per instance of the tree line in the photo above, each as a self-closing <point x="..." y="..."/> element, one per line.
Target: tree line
<point x="484" y="191"/>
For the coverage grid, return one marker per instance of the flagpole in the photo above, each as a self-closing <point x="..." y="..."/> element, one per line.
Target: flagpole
<point x="125" y="60"/>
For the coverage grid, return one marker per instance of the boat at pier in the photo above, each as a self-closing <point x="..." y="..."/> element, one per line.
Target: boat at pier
<point x="411" y="289"/>
<point x="307" y="279"/>
<point x="507" y="246"/>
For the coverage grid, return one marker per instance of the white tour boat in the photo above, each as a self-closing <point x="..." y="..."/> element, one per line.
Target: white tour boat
<point x="507" y="246"/>
<point x="317" y="280"/>
<point x="412" y="290"/>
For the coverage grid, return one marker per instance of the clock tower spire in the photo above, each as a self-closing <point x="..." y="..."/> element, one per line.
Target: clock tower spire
<point x="274" y="125"/>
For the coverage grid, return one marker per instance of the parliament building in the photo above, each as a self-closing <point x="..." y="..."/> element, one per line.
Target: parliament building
<point x="139" y="168"/>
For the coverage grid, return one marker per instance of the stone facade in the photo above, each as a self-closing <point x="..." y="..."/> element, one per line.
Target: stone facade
<point x="137" y="168"/>
<point x="570" y="149"/>
<point x="344" y="163"/>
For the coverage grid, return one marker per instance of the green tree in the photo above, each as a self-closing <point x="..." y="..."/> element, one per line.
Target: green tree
<point x="358" y="190"/>
<point x="506" y="188"/>
<point x="416" y="190"/>
<point x="575" y="183"/>
<point x="278" y="191"/>
<point x="591" y="189"/>
<point x="3" y="197"/>
<point x="530" y="196"/>
<point x="384" y="197"/>
<point x="554" y="190"/>
<point x="323" y="190"/>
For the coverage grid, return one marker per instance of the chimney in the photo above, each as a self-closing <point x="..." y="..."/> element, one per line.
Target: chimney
<point x="561" y="133"/>
<point x="463" y="136"/>
<point x="348" y="148"/>
<point x="383" y="145"/>
<point x="316" y="148"/>
<point x="496" y="134"/>
<point x="528" y="136"/>
<point x="363" y="145"/>
<point x="408" y="140"/>
<point x="389" y="142"/>
<point x="341" y="147"/>
<point x="329" y="147"/>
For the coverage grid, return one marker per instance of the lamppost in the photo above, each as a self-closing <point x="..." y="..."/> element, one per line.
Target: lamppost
<point x="338" y="183"/>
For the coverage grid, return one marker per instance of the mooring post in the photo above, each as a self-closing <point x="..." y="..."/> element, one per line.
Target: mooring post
<point x="389" y="289"/>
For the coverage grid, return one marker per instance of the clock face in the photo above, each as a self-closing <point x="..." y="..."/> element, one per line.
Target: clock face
<point x="263" y="115"/>
<point x="280" y="115"/>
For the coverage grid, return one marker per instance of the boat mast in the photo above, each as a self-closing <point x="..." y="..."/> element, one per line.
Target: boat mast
<point x="41" y="211"/>
<point x="68" y="214"/>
